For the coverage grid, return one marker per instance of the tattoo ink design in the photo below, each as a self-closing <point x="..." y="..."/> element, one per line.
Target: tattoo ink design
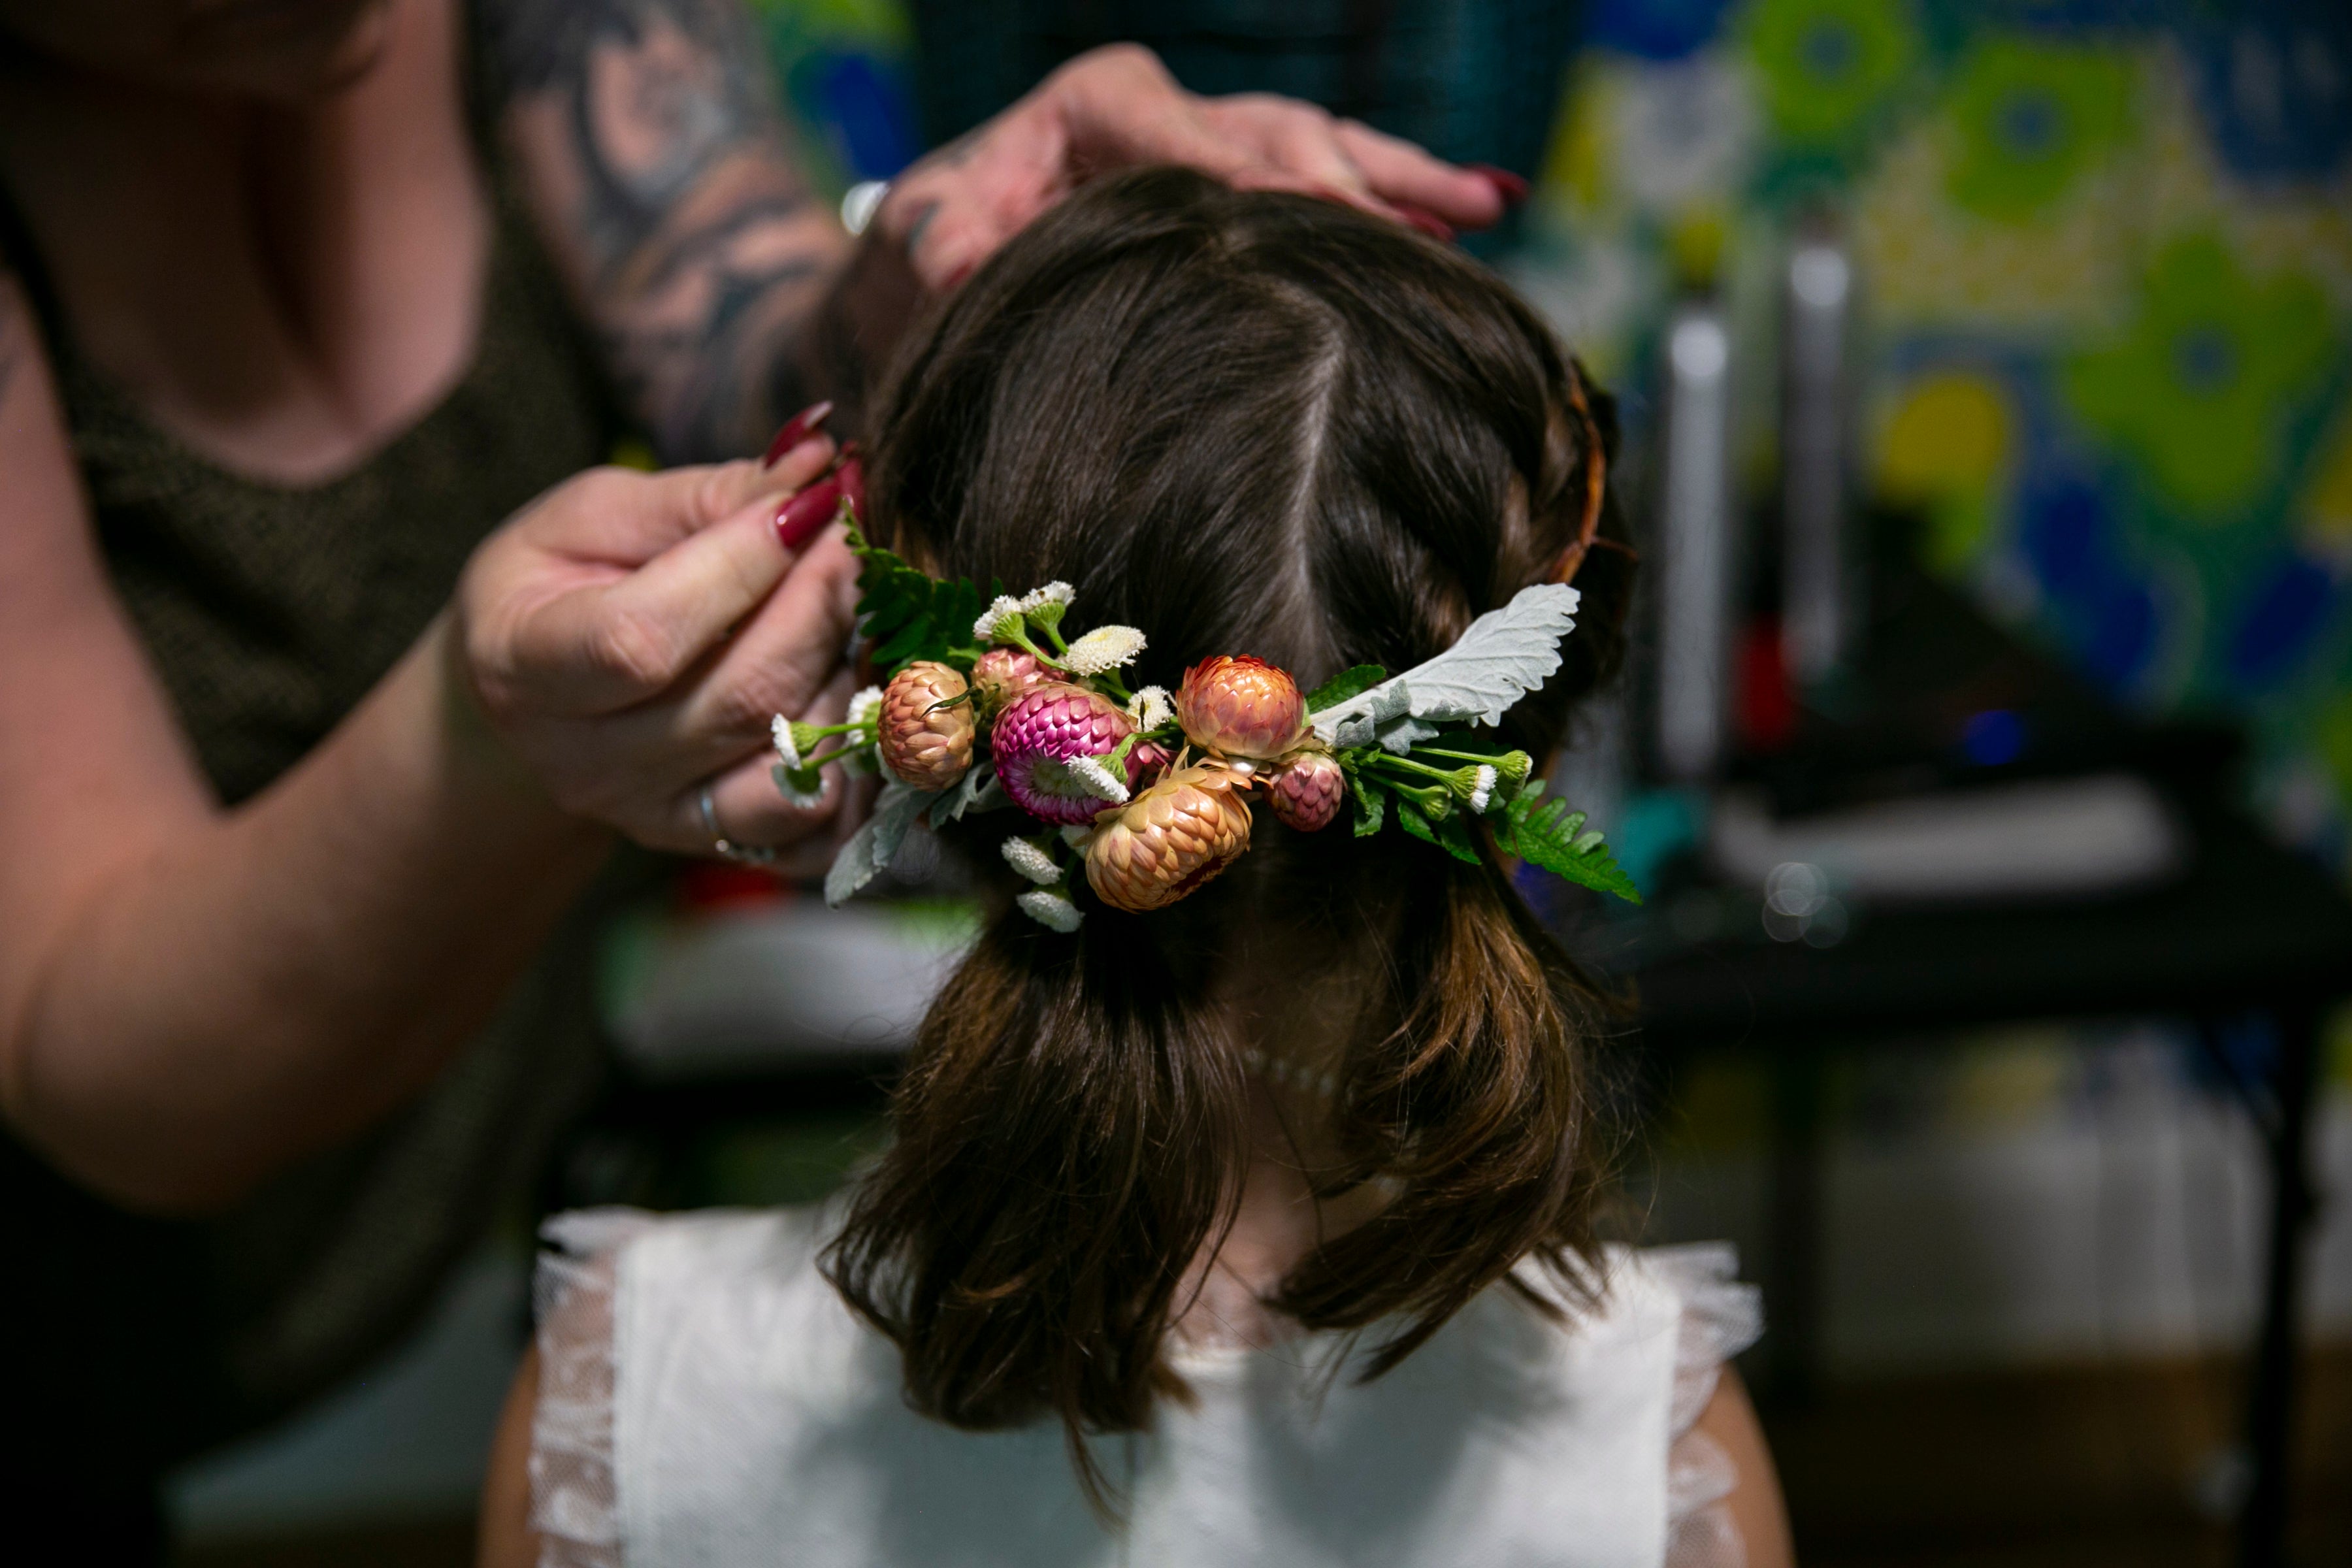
<point x="664" y="179"/>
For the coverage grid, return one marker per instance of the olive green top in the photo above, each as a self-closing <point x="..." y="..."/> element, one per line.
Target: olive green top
<point x="268" y="611"/>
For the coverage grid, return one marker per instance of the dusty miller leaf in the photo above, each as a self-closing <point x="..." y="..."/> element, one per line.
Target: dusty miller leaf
<point x="872" y="847"/>
<point x="1403" y="734"/>
<point x="1506" y="654"/>
<point x="976" y="791"/>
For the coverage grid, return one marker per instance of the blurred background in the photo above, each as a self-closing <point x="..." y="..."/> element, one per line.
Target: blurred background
<point x="1985" y="375"/>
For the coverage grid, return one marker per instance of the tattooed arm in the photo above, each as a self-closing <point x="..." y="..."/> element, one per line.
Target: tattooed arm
<point x="666" y="184"/>
<point x="726" y="296"/>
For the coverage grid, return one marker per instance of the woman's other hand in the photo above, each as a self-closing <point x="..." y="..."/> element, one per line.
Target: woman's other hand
<point x="1116" y="106"/>
<point x="630" y="637"/>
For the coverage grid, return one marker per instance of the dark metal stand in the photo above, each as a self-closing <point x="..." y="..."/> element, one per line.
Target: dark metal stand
<point x="2251" y="929"/>
<point x="2271" y="1393"/>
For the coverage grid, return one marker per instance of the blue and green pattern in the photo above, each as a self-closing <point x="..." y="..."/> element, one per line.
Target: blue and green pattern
<point x="2107" y="249"/>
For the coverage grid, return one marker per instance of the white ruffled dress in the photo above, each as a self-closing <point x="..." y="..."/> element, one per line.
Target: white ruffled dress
<point x="707" y="1399"/>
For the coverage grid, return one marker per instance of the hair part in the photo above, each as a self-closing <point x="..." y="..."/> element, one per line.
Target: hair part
<point x="1242" y="422"/>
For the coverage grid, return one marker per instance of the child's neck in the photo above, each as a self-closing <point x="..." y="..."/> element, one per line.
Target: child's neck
<point x="1278" y="1222"/>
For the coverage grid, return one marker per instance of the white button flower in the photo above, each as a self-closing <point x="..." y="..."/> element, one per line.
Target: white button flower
<point x="1105" y="648"/>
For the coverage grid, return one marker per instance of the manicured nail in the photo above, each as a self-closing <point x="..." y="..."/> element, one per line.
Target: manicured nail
<point x="1428" y="222"/>
<point x="1511" y="187"/>
<point x="797" y="429"/>
<point x="850" y="475"/>
<point x="802" y="516"/>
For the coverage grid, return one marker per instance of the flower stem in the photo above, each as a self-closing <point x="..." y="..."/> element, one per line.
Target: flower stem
<point x="1393" y="760"/>
<point x="1018" y="637"/>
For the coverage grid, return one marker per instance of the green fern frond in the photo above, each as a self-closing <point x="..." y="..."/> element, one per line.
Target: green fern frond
<point x="1547" y="834"/>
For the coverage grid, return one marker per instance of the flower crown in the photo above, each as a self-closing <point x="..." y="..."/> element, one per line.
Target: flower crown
<point x="987" y="706"/>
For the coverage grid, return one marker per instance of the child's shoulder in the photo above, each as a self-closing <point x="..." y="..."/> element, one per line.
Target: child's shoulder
<point x="757" y="1259"/>
<point x="1640" y="1288"/>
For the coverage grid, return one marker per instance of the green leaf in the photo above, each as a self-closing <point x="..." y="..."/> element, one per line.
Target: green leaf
<point x="906" y="643"/>
<point x="1340" y="687"/>
<point x="1415" y="823"/>
<point x="1453" y="837"/>
<point x="1546" y="833"/>
<point x="1372" y="804"/>
<point x="909" y="616"/>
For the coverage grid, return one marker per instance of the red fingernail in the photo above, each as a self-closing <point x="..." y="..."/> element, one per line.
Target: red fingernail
<point x="851" y="477"/>
<point x="802" y="516"/>
<point x="797" y="429"/>
<point x="1428" y="222"/>
<point x="1511" y="187"/>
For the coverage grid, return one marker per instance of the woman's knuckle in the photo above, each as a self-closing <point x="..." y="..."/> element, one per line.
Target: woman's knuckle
<point x="749" y="704"/>
<point x="637" y="649"/>
<point x="1126" y="56"/>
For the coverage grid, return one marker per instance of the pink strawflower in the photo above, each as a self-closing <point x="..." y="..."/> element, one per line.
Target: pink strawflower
<point x="1040" y="734"/>
<point x="1146" y="760"/>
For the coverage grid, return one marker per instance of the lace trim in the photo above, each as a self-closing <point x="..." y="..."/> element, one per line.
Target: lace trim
<point x="1721" y="1317"/>
<point x="573" y="1504"/>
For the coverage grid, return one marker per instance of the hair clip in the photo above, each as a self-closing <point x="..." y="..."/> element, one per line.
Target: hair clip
<point x="1596" y="481"/>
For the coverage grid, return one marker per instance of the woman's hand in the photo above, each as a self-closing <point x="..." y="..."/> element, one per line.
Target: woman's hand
<point x="1116" y="106"/>
<point x="630" y="637"/>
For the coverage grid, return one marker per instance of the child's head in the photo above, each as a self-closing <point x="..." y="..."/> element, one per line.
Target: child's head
<point x="1242" y="422"/>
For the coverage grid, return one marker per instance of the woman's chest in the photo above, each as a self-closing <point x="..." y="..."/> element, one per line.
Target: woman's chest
<point x="284" y="290"/>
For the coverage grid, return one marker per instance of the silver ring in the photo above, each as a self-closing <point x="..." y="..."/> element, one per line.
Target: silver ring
<point x="741" y="854"/>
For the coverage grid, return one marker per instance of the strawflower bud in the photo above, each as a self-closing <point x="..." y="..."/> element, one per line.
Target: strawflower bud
<point x="1001" y="674"/>
<point x="1236" y="706"/>
<point x="1170" y="839"/>
<point x="925" y="745"/>
<point x="1305" y="795"/>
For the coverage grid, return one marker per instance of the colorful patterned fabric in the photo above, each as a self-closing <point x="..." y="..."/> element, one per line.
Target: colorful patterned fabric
<point x="844" y="70"/>
<point x="2106" y="251"/>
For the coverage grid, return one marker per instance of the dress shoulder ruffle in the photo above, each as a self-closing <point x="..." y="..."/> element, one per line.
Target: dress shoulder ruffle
<point x="574" y="1504"/>
<point x="1721" y="1316"/>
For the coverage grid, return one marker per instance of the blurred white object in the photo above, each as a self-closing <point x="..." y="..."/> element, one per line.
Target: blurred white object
<point x="742" y="988"/>
<point x="1814" y="609"/>
<point x="2040" y="838"/>
<point x="1695" y="588"/>
<point x="858" y="202"/>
